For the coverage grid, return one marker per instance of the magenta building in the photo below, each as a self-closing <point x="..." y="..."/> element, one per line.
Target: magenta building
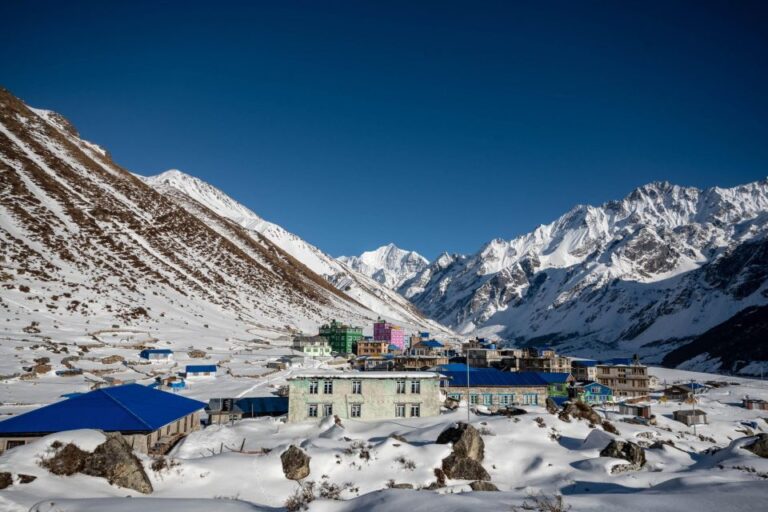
<point x="384" y="331"/>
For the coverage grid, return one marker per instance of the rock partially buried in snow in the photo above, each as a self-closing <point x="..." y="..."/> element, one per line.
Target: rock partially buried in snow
<point x="760" y="446"/>
<point x="466" y="440"/>
<point x="480" y="485"/>
<point x="631" y="452"/>
<point x="295" y="463"/>
<point x="6" y="480"/>
<point x="468" y="452"/>
<point x="461" y="468"/>
<point x="552" y="407"/>
<point x="113" y="460"/>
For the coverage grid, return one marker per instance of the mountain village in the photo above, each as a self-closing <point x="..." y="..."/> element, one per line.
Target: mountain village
<point x="163" y="345"/>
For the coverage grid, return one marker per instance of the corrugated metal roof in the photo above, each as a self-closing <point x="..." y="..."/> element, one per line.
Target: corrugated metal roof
<point x="431" y="344"/>
<point x="127" y="408"/>
<point x="490" y="377"/>
<point x="195" y="368"/>
<point x="148" y="351"/>
<point x="554" y="378"/>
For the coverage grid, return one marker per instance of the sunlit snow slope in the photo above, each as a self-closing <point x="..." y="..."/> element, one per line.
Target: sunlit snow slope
<point x="87" y="245"/>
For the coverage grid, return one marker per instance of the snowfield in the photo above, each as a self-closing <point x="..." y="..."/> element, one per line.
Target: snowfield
<point x="239" y="466"/>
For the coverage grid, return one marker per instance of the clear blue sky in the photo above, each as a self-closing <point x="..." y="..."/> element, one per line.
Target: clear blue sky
<point x="437" y="127"/>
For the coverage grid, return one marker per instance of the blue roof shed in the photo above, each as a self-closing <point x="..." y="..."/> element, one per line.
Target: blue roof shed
<point x="127" y="408"/>
<point x="201" y="368"/>
<point x="147" y="352"/>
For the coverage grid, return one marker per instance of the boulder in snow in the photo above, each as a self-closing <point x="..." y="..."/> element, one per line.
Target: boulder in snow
<point x="464" y="468"/>
<point x="114" y="460"/>
<point x="631" y="452"/>
<point x="760" y="446"/>
<point x="466" y="440"/>
<point x="295" y="463"/>
<point x="480" y="485"/>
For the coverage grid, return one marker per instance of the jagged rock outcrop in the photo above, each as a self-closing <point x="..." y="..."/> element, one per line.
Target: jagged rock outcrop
<point x="551" y="406"/>
<point x="631" y="452"/>
<point x="580" y="411"/>
<point x="466" y="440"/>
<point x="482" y="485"/>
<point x="113" y="460"/>
<point x="760" y="446"/>
<point x="295" y="463"/>
<point x="464" y="462"/>
<point x="6" y="480"/>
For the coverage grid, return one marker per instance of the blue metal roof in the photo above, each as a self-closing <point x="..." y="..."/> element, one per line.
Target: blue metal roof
<point x="455" y="367"/>
<point x="148" y="351"/>
<point x="491" y="377"/>
<point x="195" y="368"/>
<point x="584" y="363"/>
<point x="424" y="334"/>
<point x="127" y="408"/>
<point x="263" y="405"/>
<point x="431" y="344"/>
<point x="554" y="378"/>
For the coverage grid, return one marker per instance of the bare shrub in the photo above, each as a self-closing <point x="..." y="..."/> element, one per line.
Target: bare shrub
<point x="543" y="503"/>
<point x="406" y="463"/>
<point x="300" y="500"/>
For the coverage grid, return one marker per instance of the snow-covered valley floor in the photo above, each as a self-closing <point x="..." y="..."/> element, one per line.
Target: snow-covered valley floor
<point x="708" y="471"/>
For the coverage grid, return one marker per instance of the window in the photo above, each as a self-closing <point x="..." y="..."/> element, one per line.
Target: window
<point x="487" y="399"/>
<point x="399" y="410"/>
<point x="415" y="410"/>
<point x="416" y="386"/>
<point x="356" y="410"/>
<point x="13" y="444"/>
<point x="401" y="387"/>
<point x="455" y="396"/>
<point x="357" y="387"/>
<point x="505" y="399"/>
<point x="327" y="410"/>
<point x="328" y="387"/>
<point x="312" y="413"/>
<point x="473" y="399"/>
<point x="313" y="386"/>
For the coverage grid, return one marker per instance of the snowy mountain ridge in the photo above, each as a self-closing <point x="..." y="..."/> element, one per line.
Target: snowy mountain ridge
<point x="389" y="265"/>
<point x="358" y="286"/>
<point x="87" y="246"/>
<point x="666" y="262"/>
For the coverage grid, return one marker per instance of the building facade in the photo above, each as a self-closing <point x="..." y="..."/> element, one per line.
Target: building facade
<point x="363" y="395"/>
<point x="385" y="331"/>
<point x="495" y="389"/>
<point x="627" y="378"/>
<point x="372" y="348"/>
<point x="584" y="370"/>
<point x="312" y="346"/>
<point x="592" y="393"/>
<point x="341" y="337"/>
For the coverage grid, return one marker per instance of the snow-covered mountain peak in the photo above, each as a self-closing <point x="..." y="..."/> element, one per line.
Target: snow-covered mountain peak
<point x="636" y="270"/>
<point x="388" y="264"/>
<point x="208" y="195"/>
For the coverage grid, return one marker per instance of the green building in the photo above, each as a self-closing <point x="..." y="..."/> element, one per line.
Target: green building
<point x="342" y="337"/>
